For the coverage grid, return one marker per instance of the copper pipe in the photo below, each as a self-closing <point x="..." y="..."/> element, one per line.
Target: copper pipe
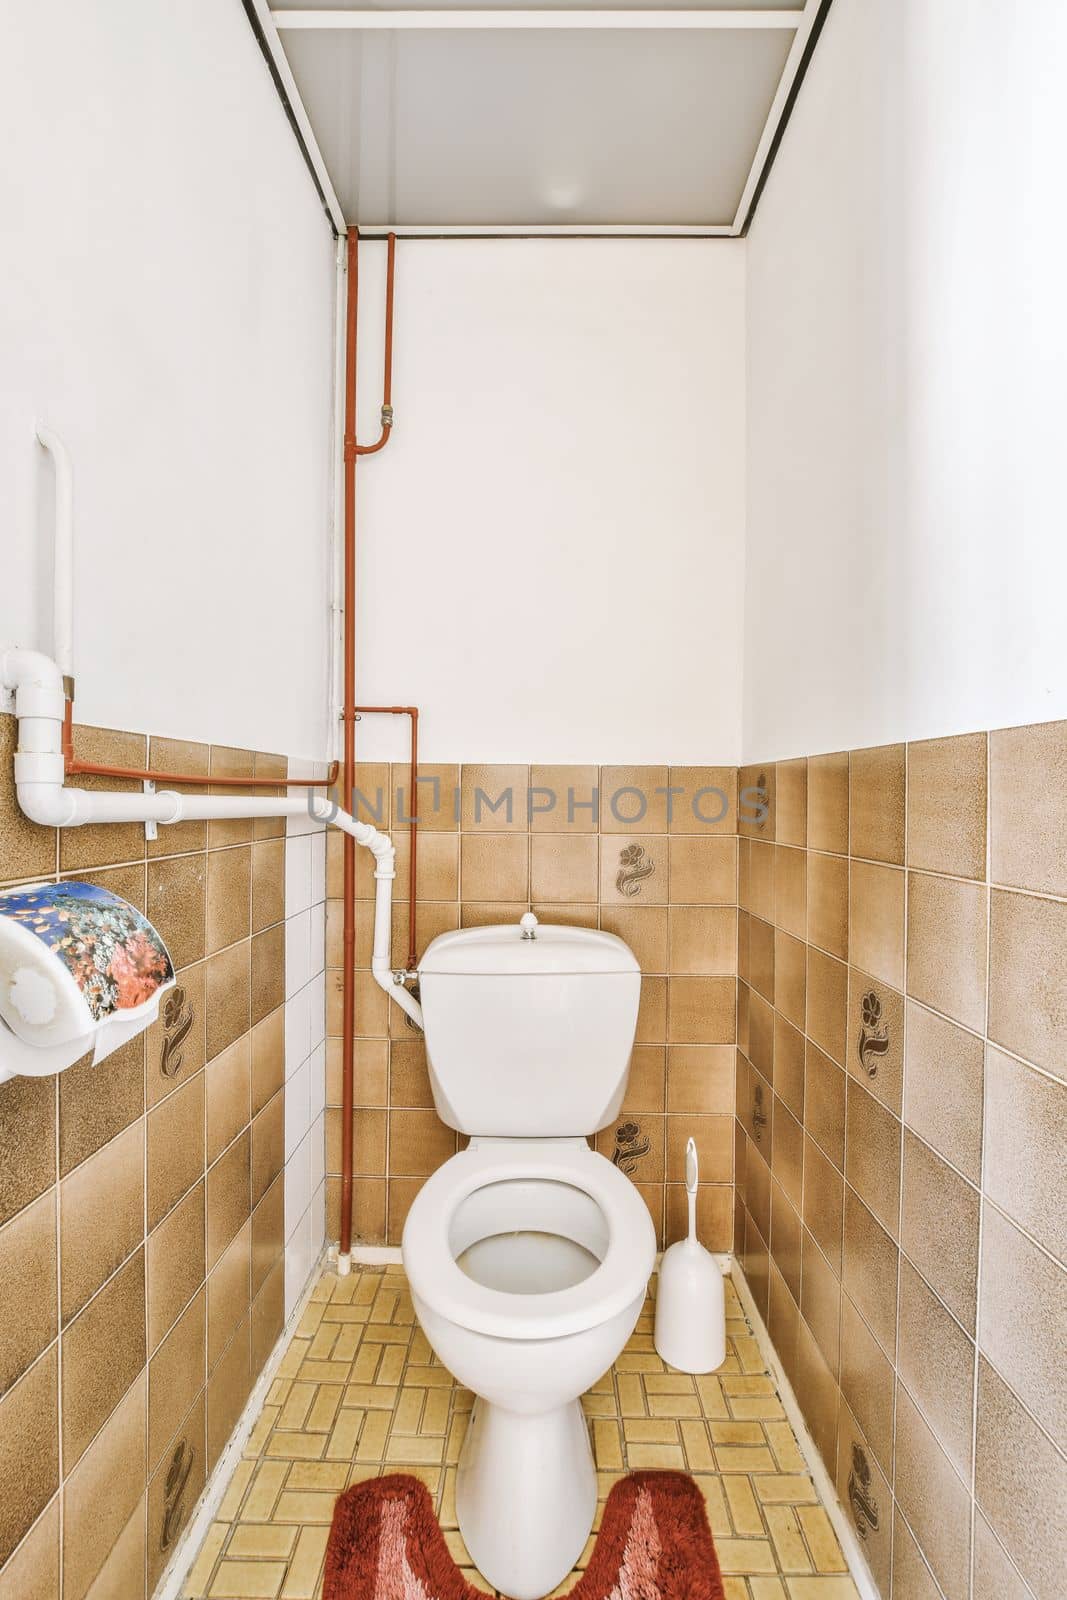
<point x="74" y="768"/>
<point x="352" y="449"/>
<point x="413" y="713"/>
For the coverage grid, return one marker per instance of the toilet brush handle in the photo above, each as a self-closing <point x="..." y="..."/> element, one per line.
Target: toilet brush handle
<point x="692" y="1176"/>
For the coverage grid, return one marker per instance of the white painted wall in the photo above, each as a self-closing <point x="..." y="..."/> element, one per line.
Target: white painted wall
<point x="551" y="547"/>
<point x="907" y="368"/>
<point x="167" y="305"/>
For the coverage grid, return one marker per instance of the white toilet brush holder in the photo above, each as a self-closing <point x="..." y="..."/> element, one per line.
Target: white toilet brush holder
<point x="690" y="1332"/>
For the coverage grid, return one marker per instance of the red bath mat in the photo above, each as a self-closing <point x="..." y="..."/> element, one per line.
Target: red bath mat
<point x="654" y="1544"/>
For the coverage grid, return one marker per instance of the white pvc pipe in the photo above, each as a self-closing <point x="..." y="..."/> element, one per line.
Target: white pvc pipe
<point x="44" y="797"/>
<point x="63" y="551"/>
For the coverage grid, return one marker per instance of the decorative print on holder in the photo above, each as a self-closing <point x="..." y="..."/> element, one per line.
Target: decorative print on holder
<point x="111" y="951"/>
<point x="634" y="868"/>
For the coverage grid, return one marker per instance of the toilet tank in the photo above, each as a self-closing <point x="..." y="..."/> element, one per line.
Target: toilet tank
<point x="529" y="1037"/>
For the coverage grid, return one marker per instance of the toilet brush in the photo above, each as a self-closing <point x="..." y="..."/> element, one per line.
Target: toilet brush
<point x="690" y="1332"/>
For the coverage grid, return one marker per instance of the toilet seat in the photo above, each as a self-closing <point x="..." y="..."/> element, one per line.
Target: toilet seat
<point x="620" y="1278"/>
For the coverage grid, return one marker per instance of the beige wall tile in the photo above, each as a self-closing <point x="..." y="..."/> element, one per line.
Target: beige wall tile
<point x="103" y="1351"/>
<point x="495" y="866"/>
<point x="228" y="1094"/>
<point x="824" y="1102"/>
<point x="495" y="798"/>
<point x="869" y="1271"/>
<point x="786" y="1241"/>
<point x="827" y="1003"/>
<point x="702" y="939"/>
<point x="563" y="866"/>
<point x="943" y="1089"/>
<point x="225" y="762"/>
<point x="788" y="1070"/>
<point x="100" y="843"/>
<point x="268" y="1146"/>
<point x="1028" y="807"/>
<point x="791" y="802"/>
<point x="707" y="801"/>
<point x="761" y="953"/>
<point x="644" y="929"/>
<point x="933" y="1499"/>
<point x="787" y="1152"/>
<point x="791" y="889"/>
<point x="1028" y="978"/>
<point x="646" y="1088"/>
<point x="29" y="1449"/>
<point x="177" y="902"/>
<point x="564" y="799"/>
<point x="268" y="883"/>
<point x="756" y="801"/>
<point x="912" y="1577"/>
<point x="267" y="973"/>
<point x="101" y="1214"/>
<point x="637" y="1146"/>
<point x="438" y="802"/>
<point x="935" y="1359"/>
<point x="790" y="977"/>
<point x="1021" y="1319"/>
<point x="1027" y="1112"/>
<point x="939" y="1228"/>
<point x="176" y="1375"/>
<point x="872" y="1154"/>
<point x="268" y="1235"/>
<point x="827" y="901"/>
<point x="947" y="805"/>
<point x="33" y="1571"/>
<point x="87" y="1119"/>
<point x="876" y="803"/>
<point x="995" y="1578"/>
<point x="700" y="1078"/>
<point x="820" y="1301"/>
<point x="267" y="1058"/>
<point x="876" y="921"/>
<point x="175" y="1263"/>
<point x="947" y="946"/>
<point x="715" y="1147"/>
<point x="103" y="1491"/>
<point x="175" y="1158"/>
<point x="228" y="1389"/>
<point x="419" y="1142"/>
<point x="228" y="1293"/>
<point x="824" y="1195"/>
<point x="28" y="1125"/>
<point x="227" y="998"/>
<point x="703" y="871"/>
<point x="817" y="1391"/>
<point x="28" y="1272"/>
<point x="867" y="1383"/>
<point x="1020" y="1485"/>
<point x="228" y="1196"/>
<point x="828" y="802"/>
<point x="701" y="1010"/>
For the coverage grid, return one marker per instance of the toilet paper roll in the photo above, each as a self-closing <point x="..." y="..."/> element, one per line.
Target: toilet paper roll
<point x="78" y="967"/>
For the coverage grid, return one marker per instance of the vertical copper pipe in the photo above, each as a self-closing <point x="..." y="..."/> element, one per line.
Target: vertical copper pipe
<point x="413" y="863"/>
<point x="348" y="714"/>
<point x="351" y="451"/>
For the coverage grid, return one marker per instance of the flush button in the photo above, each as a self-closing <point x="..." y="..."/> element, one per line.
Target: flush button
<point x="528" y="924"/>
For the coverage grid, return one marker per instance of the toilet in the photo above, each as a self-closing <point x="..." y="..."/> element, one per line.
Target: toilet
<point x="528" y="1254"/>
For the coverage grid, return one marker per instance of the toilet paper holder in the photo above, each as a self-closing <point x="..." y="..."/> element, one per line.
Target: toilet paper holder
<point x="81" y="970"/>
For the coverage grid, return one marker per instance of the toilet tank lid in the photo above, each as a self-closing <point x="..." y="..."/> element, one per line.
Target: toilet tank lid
<point x="502" y="951"/>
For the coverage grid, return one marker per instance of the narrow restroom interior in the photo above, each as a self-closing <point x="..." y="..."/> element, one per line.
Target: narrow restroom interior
<point x="685" y="566"/>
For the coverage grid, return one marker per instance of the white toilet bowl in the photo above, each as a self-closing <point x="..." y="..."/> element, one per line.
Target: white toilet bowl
<point x="528" y="1261"/>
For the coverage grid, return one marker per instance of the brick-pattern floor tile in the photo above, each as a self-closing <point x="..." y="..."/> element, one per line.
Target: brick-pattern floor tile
<point x="359" y="1393"/>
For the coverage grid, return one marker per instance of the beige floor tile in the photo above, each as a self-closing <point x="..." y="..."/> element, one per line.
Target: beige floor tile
<point x="359" y="1392"/>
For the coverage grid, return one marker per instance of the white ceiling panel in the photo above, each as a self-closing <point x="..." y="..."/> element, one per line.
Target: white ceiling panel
<point x="496" y="118"/>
